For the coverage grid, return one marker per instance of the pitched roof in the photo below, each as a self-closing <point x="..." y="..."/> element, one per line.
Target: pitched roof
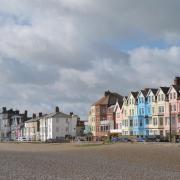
<point x="102" y="101"/>
<point x="109" y="98"/>
<point x="54" y="114"/>
<point x="177" y="88"/>
<point x="144" y="92"/>
<point x="165" y="89"/>
<point x="135" y="94"/>
<point x="35" y="119"/>
<point x="154" y="90"/>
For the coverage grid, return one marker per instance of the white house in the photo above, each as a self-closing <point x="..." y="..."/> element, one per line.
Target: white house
<point x="53" y="126"/>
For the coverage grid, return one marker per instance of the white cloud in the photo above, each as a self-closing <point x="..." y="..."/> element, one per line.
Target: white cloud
<point x="62" y="51"/>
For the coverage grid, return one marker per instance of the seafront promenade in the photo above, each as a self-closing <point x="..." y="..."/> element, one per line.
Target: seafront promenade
<point x="78" y="161"/>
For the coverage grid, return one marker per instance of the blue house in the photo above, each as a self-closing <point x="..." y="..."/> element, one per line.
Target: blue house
<point x="142" y="112"/>
<point x="150" y="106"/>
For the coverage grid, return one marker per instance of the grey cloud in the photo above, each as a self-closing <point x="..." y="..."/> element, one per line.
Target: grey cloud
<point x="61" y="52"/>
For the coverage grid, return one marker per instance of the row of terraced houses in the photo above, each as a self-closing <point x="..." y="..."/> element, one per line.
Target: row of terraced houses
<point x="145" y="112"/>
<point x="39" y="127"/>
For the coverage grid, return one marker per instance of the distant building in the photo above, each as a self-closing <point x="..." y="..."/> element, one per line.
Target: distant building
<point x="80" y="127"/>
<point x="51" y="126"/>
<point x="102" y="116"/>
<point x="11" y="124"/>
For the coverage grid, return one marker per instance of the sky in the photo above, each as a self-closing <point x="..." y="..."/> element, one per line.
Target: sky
<point x="68" y="52"/>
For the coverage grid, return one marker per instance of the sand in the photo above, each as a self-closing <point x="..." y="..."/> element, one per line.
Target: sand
<point x="124" y="161"/>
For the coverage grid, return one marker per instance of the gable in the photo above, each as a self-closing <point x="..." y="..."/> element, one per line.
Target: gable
<point x="150" y="93"/>
<point x="140" y="94"/>
<point x="172" y="90"/>
<point x="159" y="92"/>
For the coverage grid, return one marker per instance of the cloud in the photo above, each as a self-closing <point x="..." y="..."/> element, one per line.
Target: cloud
<point x="68" y="52"/>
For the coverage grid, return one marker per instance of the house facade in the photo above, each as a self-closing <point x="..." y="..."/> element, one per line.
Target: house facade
<point x="151" y="111"/>
<point x="11" y="124"/>
<point x="173" y="110"/>
<point x="102" y="116"/>
<point x="51" y="126"/>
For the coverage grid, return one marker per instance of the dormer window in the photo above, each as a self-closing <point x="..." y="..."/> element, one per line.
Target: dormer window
<point x="162" y="97"/>
<point x="174" y="95"/>
<point x="159" y="97"/>
<point x="153" y="98"/>
<point x="132" y="101"/>
<point x="170" y="96"/>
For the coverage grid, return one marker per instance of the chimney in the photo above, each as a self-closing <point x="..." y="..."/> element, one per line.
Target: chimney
<point x="4" y="109"/>
<point x="107" y="93"/>
<point x="71" y="113"/>
<point x="40" y="114"/>
<point x="177" y="81"/>
<point x="57" y="109"/>
<point x="25" y="116"/>
<point x="16" y="112"/>
<point x="25" y="113"/>
<point x="34" y="116"/>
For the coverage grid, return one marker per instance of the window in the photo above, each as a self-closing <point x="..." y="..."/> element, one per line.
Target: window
<point x="153" y="110"/>
<point x="150" y="120"/>
<point x="132" y="101"/>
<point x="153" y="98"/>
<point x="174" y="95"/>
<point x="159" y="97"/>
<point x="132" y="112"/>
<point x="126" y="123"/>
<point x="142" y="99"/>
<point x="142" y="111"/>
<point x="161" y="109"/>
<point x="170" y="96"/>
<point x="131" y="122"/>
<point x="174" y="107"/>
<point x="123" y="123"/>
<point x="18" y="120"/>
<point x="147" y="121"/>
<point x="161" y="121"/>
<point x="162" y="97"/>
<point x="141" y="122"/>
<point x="155" y="121"/>
<point x="150" y="98"/>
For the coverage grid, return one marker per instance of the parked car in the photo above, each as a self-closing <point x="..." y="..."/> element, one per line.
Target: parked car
<point x="156" y="138"/>
<point x="140" y="139"/>
<point x="22" y="139"/>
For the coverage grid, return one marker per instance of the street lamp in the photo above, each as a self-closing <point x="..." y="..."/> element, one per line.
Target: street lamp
<point x="170" y="128"/>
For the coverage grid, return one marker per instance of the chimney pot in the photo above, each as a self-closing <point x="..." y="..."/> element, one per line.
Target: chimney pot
<point x="40" y="114"/>
<point x="4" y="109"/>
<point x="34" y="116"/>
<point x="177" y="81"/>
<point x="107" y="93"/>
<point x="57" y="109"/>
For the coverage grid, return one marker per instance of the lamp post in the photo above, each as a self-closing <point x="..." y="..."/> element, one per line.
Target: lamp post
<point x="170" y="128"/>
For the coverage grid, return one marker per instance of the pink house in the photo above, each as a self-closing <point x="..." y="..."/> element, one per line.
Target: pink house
<point x="173" y="110"/>
<point x="118" y="111"/>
